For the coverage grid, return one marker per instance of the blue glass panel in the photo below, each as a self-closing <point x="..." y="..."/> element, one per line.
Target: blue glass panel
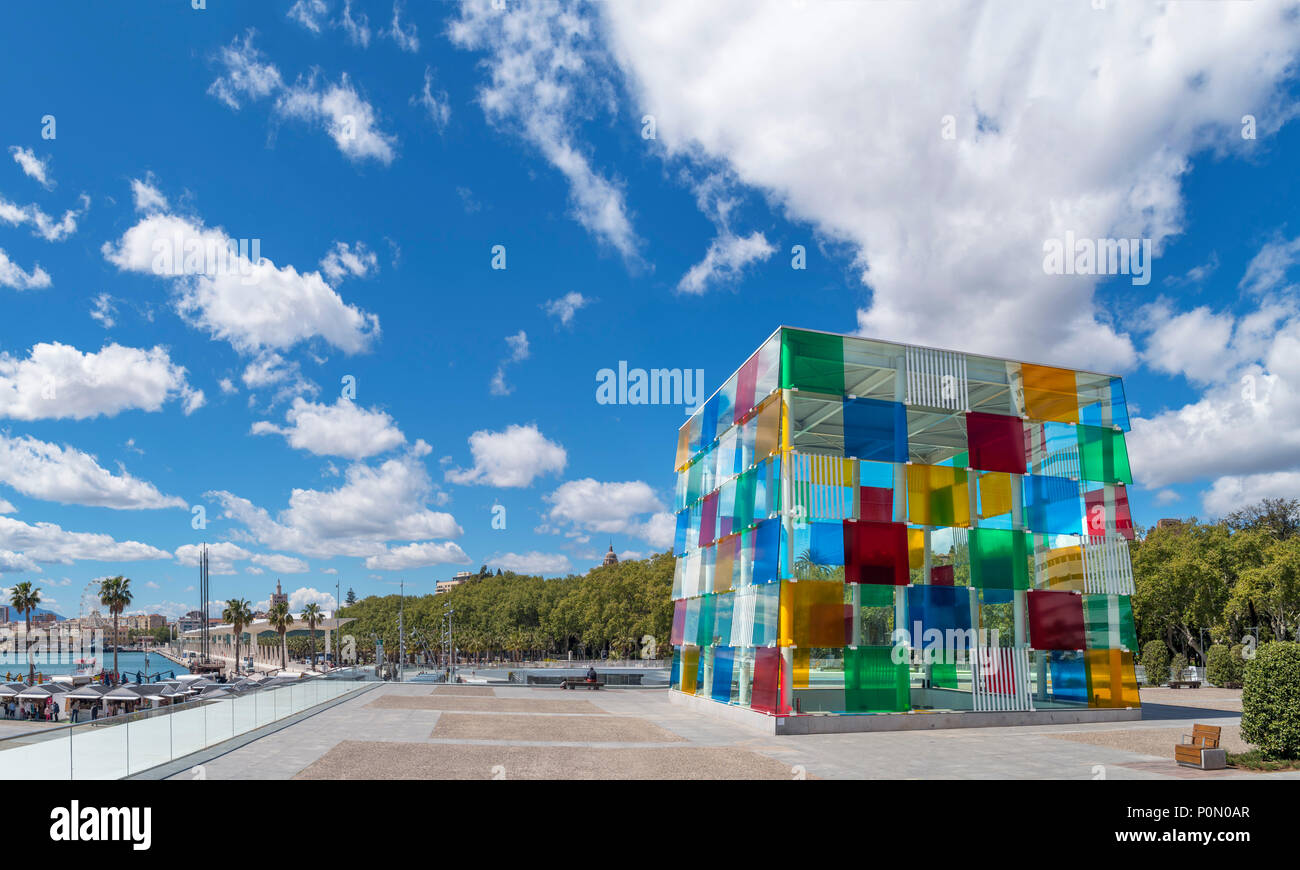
<point x="1069" y="676"/>
<point x="767" y="611"/>
<point x="942" y="608"/>
<point x="675" y="673"/>
<point x="767" y="551"/>
<point x="875" y="430"/>
<point x="1052" y="505"/>
<point x="683" y="525"/>
<point x="996" y="596"/>
<point x="709" y="421"/>
<point x="722" y="608"/>
<point x="692" y="628"/>
<point x="724" y="658"/>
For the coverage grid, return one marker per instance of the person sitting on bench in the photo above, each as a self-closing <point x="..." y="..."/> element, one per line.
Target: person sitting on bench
<point x="591" y="674"/>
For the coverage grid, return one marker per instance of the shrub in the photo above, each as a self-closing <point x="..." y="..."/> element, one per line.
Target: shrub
<point x="1270" y="700"/>
<point x="1155" y="660"/>
<point x="1218" y="666"/>
<point x="1179" y="665"/>
<point x="1237" y="665"/>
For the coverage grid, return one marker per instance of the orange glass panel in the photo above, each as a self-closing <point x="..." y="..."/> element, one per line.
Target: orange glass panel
<point x="937" y="496"/>
<point x="1112" y="680"/>
<point x="724" y="566"/>
<point x="995" y="494"/>
<point x="690" y="668"/>
<point x="1064" y="567"/>
<point x="812" y="614"/>
<point x="802" y="662"/>
<point x="769" y="426"/>
<point x="916" y="549"/>
<point x="1050" y="393"/>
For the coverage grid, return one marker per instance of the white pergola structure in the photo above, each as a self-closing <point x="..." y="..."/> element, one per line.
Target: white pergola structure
<point x="223" y="639"/>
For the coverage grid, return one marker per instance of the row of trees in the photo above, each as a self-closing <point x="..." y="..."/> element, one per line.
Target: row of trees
<point x="1200" y="584"/>
<point x="619" y="610"/>
<point x="114" y="593"/>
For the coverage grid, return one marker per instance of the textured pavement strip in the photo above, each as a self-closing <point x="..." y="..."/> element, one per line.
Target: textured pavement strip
<point x="551" y="729"/>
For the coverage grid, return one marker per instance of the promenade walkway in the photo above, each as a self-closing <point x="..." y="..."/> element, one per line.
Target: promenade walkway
<point x="413" y="731"/>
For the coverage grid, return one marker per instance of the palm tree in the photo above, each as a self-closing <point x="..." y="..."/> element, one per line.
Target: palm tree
<point x="311" y="613"/>
<point x="115" y="594"/>
<point x="281" y="619"/>
<point x="238" y="613"/>
<point x="24" y="599"/>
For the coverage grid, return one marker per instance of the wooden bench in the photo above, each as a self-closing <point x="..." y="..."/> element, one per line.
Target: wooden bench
<point x="578" y="682"/>
<point x="1200" y="749"/>
<point x="1178" y="684"/>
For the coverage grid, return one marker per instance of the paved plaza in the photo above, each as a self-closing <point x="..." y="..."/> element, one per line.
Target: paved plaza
<point x="412" y="731"/>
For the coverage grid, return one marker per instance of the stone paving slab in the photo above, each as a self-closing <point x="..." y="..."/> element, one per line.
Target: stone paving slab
<point x="355" y="759"/>
<point x="489" y="705"/>
<point x="555" y="729"/>
<point x="464" y="691"/>
<point x="1152" y="741"/>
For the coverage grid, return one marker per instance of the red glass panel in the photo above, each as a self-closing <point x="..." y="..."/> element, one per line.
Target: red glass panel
<point x="876" y="504"/>
<point x="767" y="679"/>
<point x="875" y="553"/>
<point x="1056" y="620"/>
<point x="746" y="378"/>
<point x="996" y="442"/>
<point x="942" y="575"/>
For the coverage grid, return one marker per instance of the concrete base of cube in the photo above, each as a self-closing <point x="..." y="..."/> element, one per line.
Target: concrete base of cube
<point x="845" y="723"/>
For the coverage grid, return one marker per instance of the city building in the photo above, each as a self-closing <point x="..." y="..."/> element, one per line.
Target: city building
<point x="278" y="597"/>
<point x="866" y="527"/>
<point x="191" y="621"/>
<point x="611" y="558"/>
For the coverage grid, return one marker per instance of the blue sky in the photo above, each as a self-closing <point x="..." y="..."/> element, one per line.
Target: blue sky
<point x="378" y="162"/>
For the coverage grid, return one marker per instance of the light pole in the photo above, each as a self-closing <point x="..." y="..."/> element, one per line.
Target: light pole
<point x="401" y="635"/>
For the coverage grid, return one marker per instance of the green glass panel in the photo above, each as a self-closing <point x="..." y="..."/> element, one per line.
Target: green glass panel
<point x="1096" y="621"/>
<point x="745" y="490"/>
<point x="1103" y="455"/>
<point x="812" y="361"/>
<point x="943" y="675"/>
<point x="704" y="628"/>
<point x="873" y="681"/>
<point x="876" y="594"/>
<point x="1127" y="633"/>
<point x="998" y="559"/>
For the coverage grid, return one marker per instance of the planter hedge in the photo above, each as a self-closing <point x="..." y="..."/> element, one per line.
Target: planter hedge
<point x="1155" y="660"/>
<point x="1270" y="700"/>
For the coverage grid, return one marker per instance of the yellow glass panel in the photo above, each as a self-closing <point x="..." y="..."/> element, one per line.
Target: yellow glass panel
<point x="916" y="549"/>
<point x="690" y="664"/>
<point x="802" y="662"/>
<point x="1112" y="680"/>
<point x="769" y="424"/>
<point x="937" y="496"/>
<point x="995" y="494"/>
<point x="1064" y="566"/>
<point x="1050" y="393"/>
<point x="811" y="614"/>
<point x="683" y="446"/>
<point x="724" y="566"/>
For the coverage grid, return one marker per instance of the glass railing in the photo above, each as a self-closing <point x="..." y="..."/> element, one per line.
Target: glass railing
<point x="118" y="746"/>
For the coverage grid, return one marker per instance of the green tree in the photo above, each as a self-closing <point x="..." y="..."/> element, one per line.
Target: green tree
<point x="24" y="599"/>
<point x="115" y="594"/>
<point x="238" y="613"/>
<point x="281" y="619"/>
<point x="1155" y="661"/>
<point x="312" y="615"/>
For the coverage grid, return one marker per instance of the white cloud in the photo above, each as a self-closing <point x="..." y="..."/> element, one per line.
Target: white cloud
<point x="844" y="134"/>
<point x="406" y="37"/>
<point x="69" y="476"/>
<point x="103" y="311"/>
<point x="6" y="507"/>
<point x="595" y="506"/>
<point x="566" y="306"/>
<point x="47" y="543"/>
<point x="357" y="29"/>
<point x="1237" y="491"/>
<point x="338" y="109"/>
<point x="32" y="166"/>
<point x="513" y="458"/>
<point x="304" y="595"/>
<point x="278" y="564"/>
<point x="308" y="13"/>
<point x="344" y="114"/>
<point x="518" y="345"/>
<point x="1167" y="496"/>
<point x="43" y="225"/>
<point x="437" y="105"/>
<point x="12" y="275"/>
<point x="57" y="381"/>
<point x="1194" y="343"/>
<point x="532" y="562"/>
<point x="252" y="305"/>
<point x="246" y="73"/>
<point x="227" y="386"/>
<point x="222" y="556"/>
<point x="148" y="199"/>
<point x="343" y="260"/>
<point x="545" y="73"/>
<point x="15" y="563"/>
<point x="341" y="429"/>
<point x="728" y="253"/>
<point x="373" y="506"/>
<point x="1267" y="270"/>
<point x="418" y="555"/>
